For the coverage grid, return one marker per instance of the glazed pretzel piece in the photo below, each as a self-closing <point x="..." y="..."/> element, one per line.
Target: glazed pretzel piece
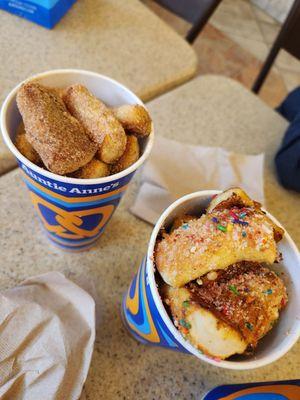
<point x="227" y="312"/>
<point x="98" y="120"/>
<point x="58" y="138"/>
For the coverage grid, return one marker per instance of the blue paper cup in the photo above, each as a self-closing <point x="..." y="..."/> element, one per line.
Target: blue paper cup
<point x="147" y="320"/>
<point x="74" y="212"/>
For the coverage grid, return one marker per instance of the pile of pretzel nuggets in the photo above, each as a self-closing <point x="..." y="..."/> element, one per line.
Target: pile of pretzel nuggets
<point x="73" y="133"/>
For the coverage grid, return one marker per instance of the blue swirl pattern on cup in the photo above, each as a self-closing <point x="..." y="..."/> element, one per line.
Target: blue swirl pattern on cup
<point x="141" y="316"/>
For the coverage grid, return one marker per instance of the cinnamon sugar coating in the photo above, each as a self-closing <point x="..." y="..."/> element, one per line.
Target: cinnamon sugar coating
<point x="94" y="169"/>
<point x="59" y="139"/>
<point x="99" y="121"/>
<point x="25" y="147"/>
<point x="130" y="155"/>
<point x="135" y="119"/>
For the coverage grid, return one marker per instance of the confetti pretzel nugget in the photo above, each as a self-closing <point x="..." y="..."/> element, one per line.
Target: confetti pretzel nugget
<point x="228" y="311"/>
<point x="99" y="121"/>
<point x="233" y="230"/>
<point x="59" y="139"/>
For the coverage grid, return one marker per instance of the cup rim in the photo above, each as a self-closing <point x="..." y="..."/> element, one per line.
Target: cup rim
<point x="235" y="365"/>
<point x="61" y="178"/>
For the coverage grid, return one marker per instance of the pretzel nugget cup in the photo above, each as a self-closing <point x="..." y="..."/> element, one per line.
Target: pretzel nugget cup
<point x="268" y="292"/>
<point x="73" y="209"/>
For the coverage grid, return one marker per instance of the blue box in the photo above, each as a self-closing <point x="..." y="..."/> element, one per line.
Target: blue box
<point x="43" y="12"/>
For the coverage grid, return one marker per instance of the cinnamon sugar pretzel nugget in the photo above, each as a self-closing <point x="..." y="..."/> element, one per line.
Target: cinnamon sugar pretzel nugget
<point x="130" y="155"/>
<point x="25" y="147"/>
<point x="59" y="138"/>
<point x="99" y="121"/>
<point x="58" y="92"/>
<point x="94" y="169"/>
<point x="135" y="119"/>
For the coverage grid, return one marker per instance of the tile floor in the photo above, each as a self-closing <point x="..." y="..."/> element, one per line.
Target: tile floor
<point x="235" y="42"/>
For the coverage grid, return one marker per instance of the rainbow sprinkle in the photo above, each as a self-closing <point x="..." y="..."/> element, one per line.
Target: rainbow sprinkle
<point x="233" y="214"/>
<point x="186" y="303"/>
<point x="234" y="290"/>
<point x="249" y="326"/>
<point x="229" y="227"/>
<point x="268" y="291"/>
<point x="244" y="223"/>
<point x="222" y="228"/>
<point x="238" y="221"/>
<point x="185" y="324"/>
<point x="217" y="359"/>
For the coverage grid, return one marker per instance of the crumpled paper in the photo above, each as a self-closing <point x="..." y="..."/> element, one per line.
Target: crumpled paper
<point x="47" y="333"/>
<point x="175" y="169"/>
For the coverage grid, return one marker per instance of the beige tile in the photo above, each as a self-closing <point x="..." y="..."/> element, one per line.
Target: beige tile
<point x="237" y="8"/>
<point x="237" y="22"/>
<point x="269" y="31"/>
<point x="263" y="16"/>
<point x="286" y="61"/>
<point x="222" y="55"/>
<point x="260" y="3"/>
<point x="232" y="45"/>
<point x="257" y="48"/>
<point x="279" y="8"/>
<point x="291" y="79"/>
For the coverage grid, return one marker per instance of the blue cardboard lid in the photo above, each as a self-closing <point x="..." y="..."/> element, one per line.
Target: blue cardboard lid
<point x="279" y="390"/>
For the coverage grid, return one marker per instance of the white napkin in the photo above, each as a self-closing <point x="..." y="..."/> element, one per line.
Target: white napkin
<point x="175" y="169"/>
<point x="47" y="333"/>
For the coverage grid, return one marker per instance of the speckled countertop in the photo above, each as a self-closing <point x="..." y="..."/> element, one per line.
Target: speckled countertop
<point x="209" y="111"/>
<point x="121" y="39"/>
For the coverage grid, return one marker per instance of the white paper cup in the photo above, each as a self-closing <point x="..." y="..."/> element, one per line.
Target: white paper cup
<point x="148" y="321"/>
<point x="74" y="212"/>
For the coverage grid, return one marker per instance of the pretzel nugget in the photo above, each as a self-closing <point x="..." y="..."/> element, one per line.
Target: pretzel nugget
<point x="58" y="92"/>
<point x="134" y="119"/>
<point x="130" y="156"/>
<point x="94" y="169"/>
<point x="226" y="235"/>
<point x="25" y="147"/>
<point x="99" y="121"/>
<point x="59" y="138"/>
